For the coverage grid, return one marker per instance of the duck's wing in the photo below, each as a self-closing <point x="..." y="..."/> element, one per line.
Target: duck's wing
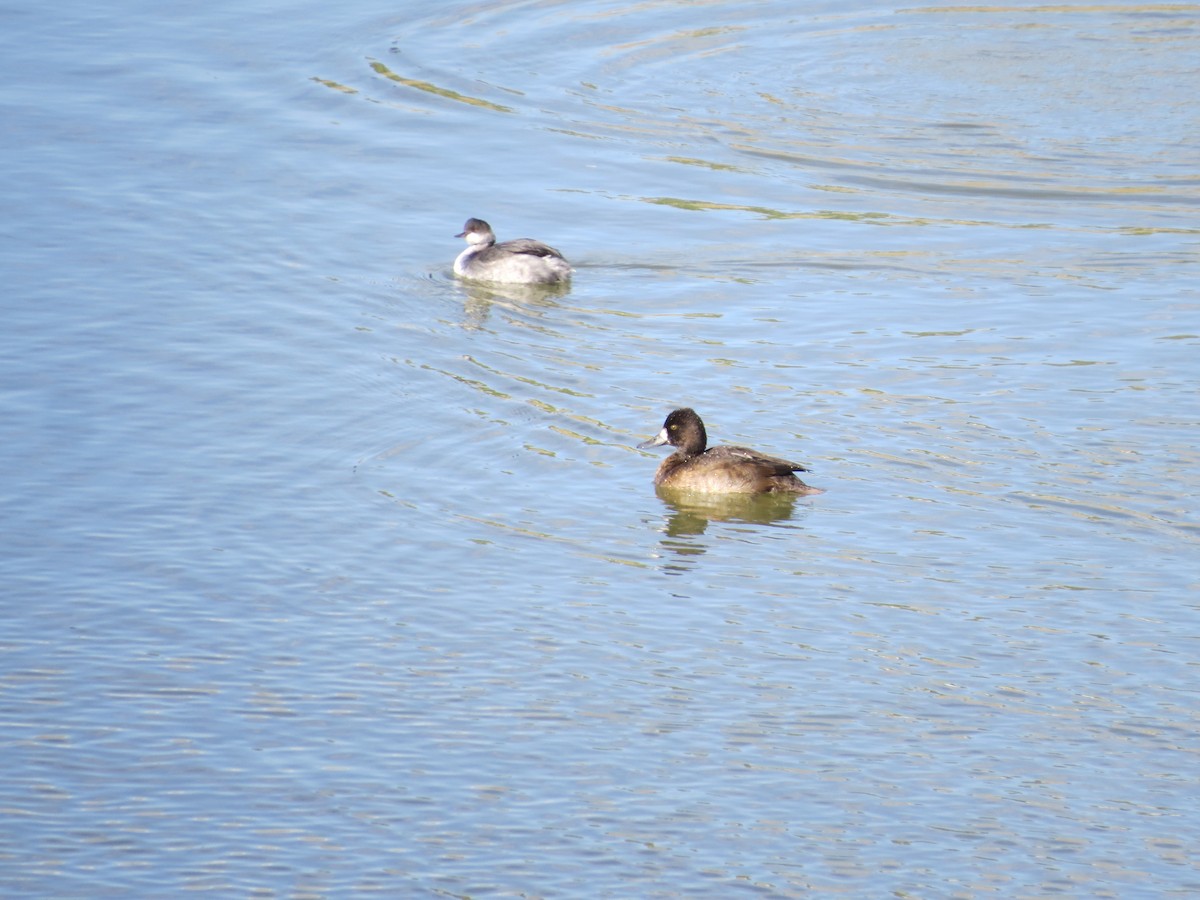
<point x="530" y="247"/>
<point x="770" y="465"/>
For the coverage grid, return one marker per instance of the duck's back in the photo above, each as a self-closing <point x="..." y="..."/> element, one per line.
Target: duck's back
<point x="733" y="470"/>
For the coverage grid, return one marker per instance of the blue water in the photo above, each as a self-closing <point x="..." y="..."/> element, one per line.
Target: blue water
<point x="327" y="575"/>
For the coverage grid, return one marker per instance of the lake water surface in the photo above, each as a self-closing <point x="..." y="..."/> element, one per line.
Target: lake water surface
<point x="328" y="575"/>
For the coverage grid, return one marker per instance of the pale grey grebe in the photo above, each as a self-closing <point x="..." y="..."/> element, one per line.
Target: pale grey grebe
<point x="523" y="261"/>
<point x="719" y="470"/>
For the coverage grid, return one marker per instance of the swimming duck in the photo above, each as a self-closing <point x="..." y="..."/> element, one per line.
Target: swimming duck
<point x="523" y="261"/>
<point x="719" y="470"/>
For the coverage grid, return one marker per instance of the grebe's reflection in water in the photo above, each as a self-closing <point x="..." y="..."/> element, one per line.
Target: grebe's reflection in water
<point x="526" y="299"/>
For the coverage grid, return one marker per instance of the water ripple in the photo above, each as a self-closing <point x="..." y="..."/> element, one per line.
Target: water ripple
<point x="870" y="101"/>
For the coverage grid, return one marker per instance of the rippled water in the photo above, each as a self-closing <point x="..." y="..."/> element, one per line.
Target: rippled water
<point x="327" y="575"/>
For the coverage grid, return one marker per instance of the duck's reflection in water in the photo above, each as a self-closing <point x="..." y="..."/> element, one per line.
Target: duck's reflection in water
<point x="689" y="514"/>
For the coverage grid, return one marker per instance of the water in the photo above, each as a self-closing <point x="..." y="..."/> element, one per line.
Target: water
<point x="327" y="575"/>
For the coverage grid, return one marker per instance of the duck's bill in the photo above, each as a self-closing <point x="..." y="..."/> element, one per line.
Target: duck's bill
<point x="658" y="441"/>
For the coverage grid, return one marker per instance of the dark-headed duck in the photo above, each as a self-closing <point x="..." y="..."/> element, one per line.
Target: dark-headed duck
<point x="719" y="470"/>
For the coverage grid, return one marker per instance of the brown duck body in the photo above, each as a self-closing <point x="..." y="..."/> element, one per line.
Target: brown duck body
<point x="722" y="469"/>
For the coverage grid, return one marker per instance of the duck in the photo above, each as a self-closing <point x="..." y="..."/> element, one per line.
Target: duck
<point x="521" y="261"/>
<point x="726" y="469"/>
